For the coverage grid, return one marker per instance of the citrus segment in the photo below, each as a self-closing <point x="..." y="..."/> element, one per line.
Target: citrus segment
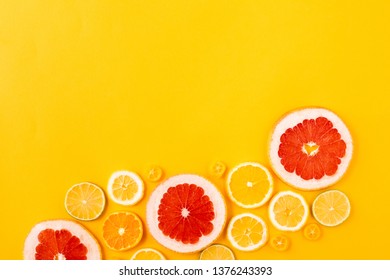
<point x="250" y="185"/>
<point x="125" y="187"/>
<point x="85" y="201"/>
<point x="310" y="148"/>
<point x="148" y="254"/>
<point x="60" y="240"/>
<point x="155" y="173"/>
<point x="217" y="252"/>
<point x="280" y="242"/>
<point x="247" y="232"/>
<point x="312" y="231"/>
<point x="186" y="213"/>
<point x="331" y="208"/>
<point x="288" y="211"/>
<point x="217" y="169"/>
<point x="122" y="231"/>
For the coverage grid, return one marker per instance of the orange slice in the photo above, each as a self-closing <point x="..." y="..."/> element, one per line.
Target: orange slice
<point x="155" y="173"/>
<point x="312" y="231"/>
<point x="331" y="208"/>
<point x="125" y="188"/>
<point x="122" y="231"/>
<point x="288" y="211"/>
<point x="85" y="201"/>
<point x="280" y="242"/>
<point x="217" y="252"/>
<point x="217" y="169"/>
<point x="148" y="254"/>
<point x="250" y="185"/>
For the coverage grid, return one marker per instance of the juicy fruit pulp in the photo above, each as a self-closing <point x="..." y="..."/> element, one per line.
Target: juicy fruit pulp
<point x="125" y="187"/>
<point x="217" y="252"/>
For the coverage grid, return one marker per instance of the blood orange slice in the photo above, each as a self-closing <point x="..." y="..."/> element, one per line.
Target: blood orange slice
<point x="186" y="213"/>
<point x="310" y="149"/>
<point x="61" y="240"/>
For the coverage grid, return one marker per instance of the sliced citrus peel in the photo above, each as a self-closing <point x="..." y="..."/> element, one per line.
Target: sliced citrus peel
<point x="125" y="187"/>
<point x="280" y="242"/>
<point x="217" y="252"/>
<point x="312" y="231"/>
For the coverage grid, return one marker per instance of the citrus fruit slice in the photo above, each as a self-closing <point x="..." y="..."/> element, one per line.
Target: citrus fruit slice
<point x="217" y="169"/>
<point x="155" y="173"/>
<point x="280" y="242"/>
<point x="249" y="185"/>
<point x="122" y="230"/>
<point x="148" y="254"/>
<point x="217" y="252"/>
<point x="310" y="148"/>
<point x="288" y="211"/>
<point x="247" y="232"/>
<point x="61" y="240"/>
<point x="331" y="208"/>
<point x="85" y="201"/>
<point x="186" y="213"/>
<point x="125" y="187"/>
<point x="312" y="231"/>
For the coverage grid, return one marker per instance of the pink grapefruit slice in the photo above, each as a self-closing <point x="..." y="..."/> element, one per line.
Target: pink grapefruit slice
<point x="61" y="240"/>
<point x="310" y="148"/>
<point x="186" y="213"/>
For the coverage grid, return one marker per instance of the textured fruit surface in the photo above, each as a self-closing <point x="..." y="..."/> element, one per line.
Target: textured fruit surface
<point x="61" y="240"/>
<point x="312" y="231"/>
<point x="217" y="252"/>
<point x="148" y="254"/>
<point x="217" y="169"/>
<point x="186" y="213"/>
<point x="155" y="173"/>
<point x="125" y="187"/>
<point x="280" y="242"/>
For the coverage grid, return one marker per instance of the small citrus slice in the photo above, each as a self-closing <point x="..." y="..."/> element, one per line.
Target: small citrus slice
<point x="85" y="201"/>
<point x="148" y="254"/>
<point x="186" y="213"/>
<point x="125" y="187"/>
<point x="61" y="240"/>
<point x="247" y="232"/>
<point x="122" y="230"/>
<point x="312" y="231"/>
<point x="217" y="252"/>
<point x="280" y="242"/>
<point x="217" y="169"/>
<point x="249" y="185"/>
<point x="310" y="148"/>
<point x="155" y="173"/>
<point x="331" y="208"/>
<point x="288" y="211"/>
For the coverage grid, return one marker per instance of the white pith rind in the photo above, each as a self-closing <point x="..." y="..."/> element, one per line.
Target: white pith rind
<point x="209" y="189"/>
<point x="272" y="213"/>
<point x="266" y="197"/>
<point x="289" y="121"/>
<point x="31" y="242"/>
<point x="341" y="221"/>
<point x="263" y="240"/>
<point x="137" y="179"/>
<point x="148" y="250"/>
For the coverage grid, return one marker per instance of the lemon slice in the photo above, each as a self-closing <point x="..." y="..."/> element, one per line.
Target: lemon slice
<point x="280" y="242"/>
<point x="217" y="252"/>
<point x="312" y="231"/>
<point x="247" y="232"/>
<point x="331" y="208"/>
<point x="288" y="211"/>
<point x="85" y="201"/>
<point x="249" y="185"/>
<point x="125" y="188"/>
<point x="155" y="173"/>
<point x="148" y="254"/>
<point x="217" y="169"/>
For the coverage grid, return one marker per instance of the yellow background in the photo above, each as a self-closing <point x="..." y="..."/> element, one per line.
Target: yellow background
<point x="91" y="87"/>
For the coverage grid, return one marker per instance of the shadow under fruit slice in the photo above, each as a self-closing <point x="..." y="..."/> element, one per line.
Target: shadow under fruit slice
<point x="60" y="240"/>
<point x="186" y="213"/>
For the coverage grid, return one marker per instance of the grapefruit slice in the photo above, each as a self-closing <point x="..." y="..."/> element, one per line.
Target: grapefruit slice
<point x="310" y="149"/>
<point x="186" y="213"/>
<point x="60" y="240"/>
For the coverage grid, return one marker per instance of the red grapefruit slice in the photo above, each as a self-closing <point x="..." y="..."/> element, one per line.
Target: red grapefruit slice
<point x="310" y="149"/>
<point x="60" y="240"/>
<point x="186" y="213"/>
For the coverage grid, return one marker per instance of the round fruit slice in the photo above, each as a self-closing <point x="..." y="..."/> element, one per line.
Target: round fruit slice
<point x="148" y="254"/>
<point x="312" y="231"/>
<point x="288" y="211"/>
<point x="85" y="201"/>
<point x="331" y="208"/>
<point x="217" y="252"/>
<point x="186" y="213"/>
<point x="155" y="173"/>
<point x="247" y="232"/>
<point x="122" y="231"/>
<point x="125" y="187"/>
<point x="280" y="242"/>
<point x="217" y="169"/>
<point x="250" y="185"/>
<point x="310" y="148"/>
<point x="60" y="240"/>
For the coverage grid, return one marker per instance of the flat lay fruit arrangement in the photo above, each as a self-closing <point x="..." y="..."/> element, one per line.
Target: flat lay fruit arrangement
<point x="310" y="150"/>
